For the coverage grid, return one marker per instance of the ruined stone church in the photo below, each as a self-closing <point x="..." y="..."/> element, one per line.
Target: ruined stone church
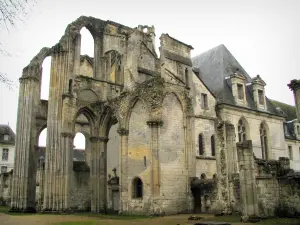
<point x="164" y="134"/>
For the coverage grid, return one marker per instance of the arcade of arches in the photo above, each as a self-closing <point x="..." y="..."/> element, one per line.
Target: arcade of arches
<point x="150" y="145"/>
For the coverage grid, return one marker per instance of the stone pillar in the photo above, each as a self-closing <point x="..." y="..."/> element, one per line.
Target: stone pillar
<point x="60" y="69"/>
<point x="77" y="55"/>
<point x="24" y="176"/>
<point x="66" y="171"/>
<point x="155" y="164"/>
<point x="295" y="87"/>
<point x="98" y="52"/>
<point x="223" y="205"/>
<point x="249" y="202"/>
<point x="123" y="163"/>
<point x="98" y="174"/>
<point x="1" y="185"/>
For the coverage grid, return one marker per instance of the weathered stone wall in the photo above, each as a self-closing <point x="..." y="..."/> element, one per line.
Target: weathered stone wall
<point x="276" y="141"/>
<point x="172" y="158"/>
<point x="80" y="194"/>
<point x="86" y="69"/>
<point x="295" y="161"/>
<point x="139" y="157"/>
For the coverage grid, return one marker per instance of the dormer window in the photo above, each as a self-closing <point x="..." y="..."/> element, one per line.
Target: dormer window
<point x="6" y="137"/>
<point x="261" y="97"/>
<point x="240" y="89"/>
<point x="258" y="86"/>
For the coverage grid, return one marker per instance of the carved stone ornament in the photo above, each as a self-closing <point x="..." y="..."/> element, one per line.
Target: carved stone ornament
<point x="155" y="123"/>
<point x="123" y="132"/>
<point x="67" y="134"/>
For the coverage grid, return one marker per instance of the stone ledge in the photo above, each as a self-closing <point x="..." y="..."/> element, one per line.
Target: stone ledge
<point x="206" y="157"/>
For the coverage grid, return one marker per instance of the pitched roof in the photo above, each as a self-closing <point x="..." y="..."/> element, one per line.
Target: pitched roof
<point x="218" y="64"/>
<point x="6" y="130"/>
<point x="289" y="111"/>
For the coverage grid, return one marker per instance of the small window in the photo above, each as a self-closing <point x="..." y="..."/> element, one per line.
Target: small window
<point x="212" y="142"/>
<point x="137" y="188"/>
<point x="70" y="86"/>
<point x="186" y="72"/>
<point x="241" y="131"/>
<point x="201" y="144"/>
<point x="3" y="169"/>
<point x="290" y="152"/>
<point x="204" y="104"/>
<point x="6" y="137"/>
<point x="240" y="91"/>
<point x="261" y="97"/>
<point x="298" y="129"/>
<point x="5" y="154"/>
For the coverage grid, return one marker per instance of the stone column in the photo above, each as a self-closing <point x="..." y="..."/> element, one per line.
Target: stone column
<point x="66" y="170"/>
<point x="222" y="169"/>
<point x="295" y="87"/>
<point x="1" y="185"/>
<point x="60" y="69"/>
<point x="155" y="165"/>
<point x="98" y="52"/>
<point x="123" y="162"/>
<point x="24" y="176"/>
<point x="247" y="180"/>
<point x="77" y="55"/>
<point x="98" y="174"/>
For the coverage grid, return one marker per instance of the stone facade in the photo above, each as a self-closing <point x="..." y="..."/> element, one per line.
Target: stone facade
<point x="159" y="138"/>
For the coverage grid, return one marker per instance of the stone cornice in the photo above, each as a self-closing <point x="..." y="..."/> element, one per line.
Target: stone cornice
<point x="100" y="139"/>
<point x="155" y="123"/>
<point x="123" y="132"/>
<point x="67" y="134"/>
<point x="34" y="78"/>
<point x="294" y="85"/>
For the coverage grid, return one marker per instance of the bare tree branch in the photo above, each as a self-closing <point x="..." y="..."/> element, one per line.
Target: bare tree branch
<point x="11" y="12"/>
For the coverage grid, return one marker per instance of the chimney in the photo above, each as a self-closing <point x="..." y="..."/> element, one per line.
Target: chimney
<point x="295" y="87"/>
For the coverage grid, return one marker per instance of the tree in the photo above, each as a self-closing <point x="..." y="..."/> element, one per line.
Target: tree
<point x="12" y="11"/>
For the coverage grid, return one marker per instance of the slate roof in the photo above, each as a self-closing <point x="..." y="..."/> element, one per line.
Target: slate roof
<point x="288" y="111"/>
<point x="6" y="130"/>
<point x="217" y="64"/>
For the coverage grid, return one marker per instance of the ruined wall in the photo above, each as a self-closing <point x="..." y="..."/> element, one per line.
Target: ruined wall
<point x="139" y="157"/>
<point x="86" y="69"/>
<point x="172" y="157"/>
<point x="80" y="194"/>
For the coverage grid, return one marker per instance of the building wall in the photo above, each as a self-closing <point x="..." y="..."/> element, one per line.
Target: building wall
<point x="86" y="69"/>
<point x="276" y="141"/>
<point x="11" y="157"/>
<point x="295" y="160"/>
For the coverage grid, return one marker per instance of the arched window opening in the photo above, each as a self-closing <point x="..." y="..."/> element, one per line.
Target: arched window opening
<point x="203" y="176"/>
<point x="43" y="138"/>
<point x="241" y="131"/>
<point x="212" y="143"/>
<point x="87" y="43"/>
<point x="137" y="188"/>
<point x="86" y="53"/>
<point x="113" y="66"/>
<point x="263" y="141"/>
<point x="45" y="78"/>
<point x="201" y="144"/>
<point x="41" y="151"/>
<point x="79" y="144"/>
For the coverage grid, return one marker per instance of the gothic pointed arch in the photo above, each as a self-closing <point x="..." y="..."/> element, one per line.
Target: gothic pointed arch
<point x="243" y="130"/>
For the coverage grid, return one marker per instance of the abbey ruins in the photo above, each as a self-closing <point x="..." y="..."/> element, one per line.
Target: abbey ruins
<point x="165" y="134"/>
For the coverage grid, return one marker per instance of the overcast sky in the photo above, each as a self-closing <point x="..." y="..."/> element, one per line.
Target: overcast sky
<point x="263" y="35"/>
